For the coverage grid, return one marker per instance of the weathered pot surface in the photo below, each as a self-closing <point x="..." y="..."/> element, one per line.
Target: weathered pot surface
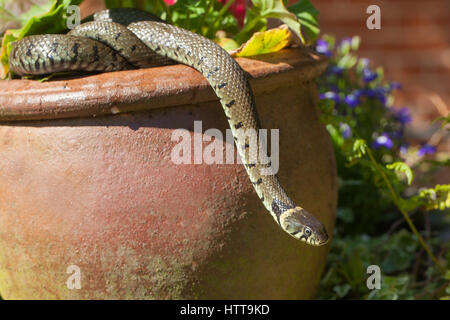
<point x="87" y="181"/>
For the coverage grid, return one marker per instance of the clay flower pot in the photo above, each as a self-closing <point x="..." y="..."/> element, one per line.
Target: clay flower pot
<point x="88" y="187"/>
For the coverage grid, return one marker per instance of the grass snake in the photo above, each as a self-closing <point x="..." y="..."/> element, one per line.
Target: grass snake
<point x="120" y="39"/>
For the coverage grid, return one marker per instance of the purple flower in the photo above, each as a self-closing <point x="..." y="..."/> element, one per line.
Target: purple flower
<point x="345" y="130"/>
<point x="403" y="115"/>
<point x="323" y="48"/>
<point x="368" y="75"/>
<point x="426" y="149"/>
<point x="331" y="96"/>
<point x="352" y="100"/>
<point x="383" y="141"/>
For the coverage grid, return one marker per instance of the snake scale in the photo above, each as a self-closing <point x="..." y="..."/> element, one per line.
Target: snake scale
<point x="120" y="39"/>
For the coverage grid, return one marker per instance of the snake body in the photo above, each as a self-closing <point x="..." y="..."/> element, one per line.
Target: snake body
<point x="123" y="39"/>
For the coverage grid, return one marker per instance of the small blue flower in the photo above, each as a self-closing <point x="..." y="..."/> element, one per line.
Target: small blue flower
<point x="368" y="75"/>
<point x="347" y="41"/>
<point x="369" y="93"/>
<point x="426" y="149"/>
<point x="336" y="70"/>
<point x="323" y="48"/>
<point x="403" y="115"/>
<point x="345" y="130"/>
<point x="352" y="100"/>
<point x="398" y="134"/>
<point x="378" y="93"/>
<point x="331" y="96"/>
<point x="395" y="86"/>
<point x="383" y="141"/>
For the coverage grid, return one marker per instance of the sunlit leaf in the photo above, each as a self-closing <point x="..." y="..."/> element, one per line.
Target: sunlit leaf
<point x="402" y="167"/>
<point x="265" y="42"/>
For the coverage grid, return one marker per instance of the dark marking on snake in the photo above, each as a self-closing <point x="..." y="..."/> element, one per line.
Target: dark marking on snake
<point x="118" y="36"/>
<point x="96" y="56"/>
<point x="229" y="104"/>
<point x="259" y="181"/>
<point x="238" y="125"/>
<point x="75" y="51"/>
<point x="30" y="47"/>
<point x="220" y="86"/>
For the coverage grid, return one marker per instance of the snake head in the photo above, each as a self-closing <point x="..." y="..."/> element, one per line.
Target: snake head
<point x="303" y="226"/>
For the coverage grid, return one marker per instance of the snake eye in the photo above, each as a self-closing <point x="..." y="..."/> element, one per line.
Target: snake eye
<point x="307" y="232"/>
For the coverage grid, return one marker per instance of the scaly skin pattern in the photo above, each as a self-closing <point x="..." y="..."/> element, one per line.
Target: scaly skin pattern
<point x="34" y="55"/>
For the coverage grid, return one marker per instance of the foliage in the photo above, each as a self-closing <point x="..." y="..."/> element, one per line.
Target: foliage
<point x="376" y="172"/>
<point x="209" y="16"/>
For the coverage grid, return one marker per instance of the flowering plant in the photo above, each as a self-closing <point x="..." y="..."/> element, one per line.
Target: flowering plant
<point x="376" y="170"/>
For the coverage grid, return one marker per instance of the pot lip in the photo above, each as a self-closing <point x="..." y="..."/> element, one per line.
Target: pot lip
<point x="144" y="89"/>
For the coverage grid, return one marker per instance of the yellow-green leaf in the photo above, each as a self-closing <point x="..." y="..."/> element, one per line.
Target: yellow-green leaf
<point x="265" y="42"/>
<point x="402" y="167"/>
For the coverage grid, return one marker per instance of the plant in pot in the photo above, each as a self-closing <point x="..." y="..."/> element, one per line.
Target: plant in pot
<point x="93" y="205"/>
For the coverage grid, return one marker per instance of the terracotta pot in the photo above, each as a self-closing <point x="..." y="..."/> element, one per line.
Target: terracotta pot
<point x="87" y="180"/>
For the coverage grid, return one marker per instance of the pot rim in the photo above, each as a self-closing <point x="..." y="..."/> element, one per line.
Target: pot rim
<point x="144" y="89"/>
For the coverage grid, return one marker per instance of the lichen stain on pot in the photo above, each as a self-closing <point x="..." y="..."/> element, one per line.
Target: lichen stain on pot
<point x="102" y="192"/>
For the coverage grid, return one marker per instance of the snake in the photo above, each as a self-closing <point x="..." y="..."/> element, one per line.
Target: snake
<point x="125" y="39"/>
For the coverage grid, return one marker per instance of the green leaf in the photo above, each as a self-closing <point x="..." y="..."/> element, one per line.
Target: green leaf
<point x="342" y="290"/>
<point x="445" y="121"/>
<point x="307" y="14"/>
<point x="34" y="11"/>
<point x="402" y="167"/>
<point x="276" y="9"/>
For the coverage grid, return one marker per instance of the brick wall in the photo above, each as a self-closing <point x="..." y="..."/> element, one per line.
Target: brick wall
<point x="413" y="47"/>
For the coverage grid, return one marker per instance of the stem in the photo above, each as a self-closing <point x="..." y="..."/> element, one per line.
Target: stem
<point x="202" y="20"/>
<point x="404" y="213"/>
<point x="220" y="15"/>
